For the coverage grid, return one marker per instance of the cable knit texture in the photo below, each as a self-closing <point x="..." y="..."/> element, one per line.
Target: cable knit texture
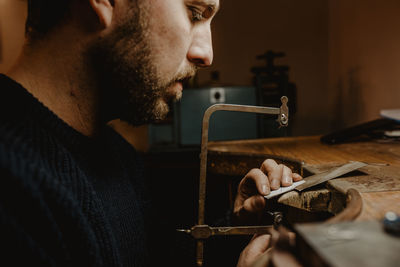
<point x="66" y="199"/>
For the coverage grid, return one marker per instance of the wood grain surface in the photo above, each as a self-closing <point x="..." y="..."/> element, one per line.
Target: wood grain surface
<point x="310" y="150"/>
<point x="378" y="183"/>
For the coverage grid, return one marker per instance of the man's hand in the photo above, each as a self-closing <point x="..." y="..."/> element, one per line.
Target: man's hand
<point x="274" y="249"/>
<point x="257" y="247"/>
<point x="257" y="183"/>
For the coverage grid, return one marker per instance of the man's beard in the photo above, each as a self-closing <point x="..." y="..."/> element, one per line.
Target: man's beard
<point x="127" y="75"/>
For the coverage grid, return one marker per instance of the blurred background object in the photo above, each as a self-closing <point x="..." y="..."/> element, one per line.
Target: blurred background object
<point x="272" y="82"/>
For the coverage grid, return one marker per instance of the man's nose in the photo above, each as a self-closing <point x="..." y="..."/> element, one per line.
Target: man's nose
<point x="201" y="52"/>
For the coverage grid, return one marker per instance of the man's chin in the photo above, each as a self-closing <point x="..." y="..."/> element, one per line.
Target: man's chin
<point x="161" y="110"/>
<point x="164" y="106"/>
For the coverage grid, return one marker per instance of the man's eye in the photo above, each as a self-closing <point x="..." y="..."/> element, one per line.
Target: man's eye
<point x="196" y="15"/>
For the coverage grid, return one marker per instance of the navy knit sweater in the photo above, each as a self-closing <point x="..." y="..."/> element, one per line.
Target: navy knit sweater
<point x="66" y="199"/>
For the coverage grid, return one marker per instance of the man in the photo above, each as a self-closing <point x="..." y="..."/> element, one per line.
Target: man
<point x="73" y="192"/>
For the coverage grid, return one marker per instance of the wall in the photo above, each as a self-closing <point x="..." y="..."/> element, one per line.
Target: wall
<point x="245" y="29"/>
<point x="364" y="59"/>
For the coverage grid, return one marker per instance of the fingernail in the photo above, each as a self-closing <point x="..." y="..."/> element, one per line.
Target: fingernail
<point x="265" y="190"/>
<point x="275" y="184"/>
<point x="286" y="179"/>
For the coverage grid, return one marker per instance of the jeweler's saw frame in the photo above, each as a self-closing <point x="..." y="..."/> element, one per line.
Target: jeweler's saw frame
<point x="201" y="231"/>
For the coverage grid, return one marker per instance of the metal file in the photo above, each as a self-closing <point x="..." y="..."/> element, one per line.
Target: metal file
<point x="319" y="178"/>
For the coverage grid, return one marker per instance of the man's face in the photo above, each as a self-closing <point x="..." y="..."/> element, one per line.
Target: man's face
<point x="153" y="48"/>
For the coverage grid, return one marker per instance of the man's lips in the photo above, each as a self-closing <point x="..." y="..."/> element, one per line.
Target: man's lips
<point x="175" y="86"/>
<point x="178" y="86"/>
<point x="174" y="91"/>
<point x="181" y="83"/>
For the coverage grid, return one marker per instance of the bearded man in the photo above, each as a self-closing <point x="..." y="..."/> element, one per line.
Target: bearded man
<point x="72" y="189"/>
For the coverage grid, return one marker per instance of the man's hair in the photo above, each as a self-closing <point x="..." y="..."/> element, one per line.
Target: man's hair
<point x="44" y="15"/>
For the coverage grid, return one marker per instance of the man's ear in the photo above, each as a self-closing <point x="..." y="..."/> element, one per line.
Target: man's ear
<point x="104" y="10"/>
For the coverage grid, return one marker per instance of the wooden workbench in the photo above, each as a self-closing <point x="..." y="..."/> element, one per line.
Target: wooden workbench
<point x="378" y="183"/>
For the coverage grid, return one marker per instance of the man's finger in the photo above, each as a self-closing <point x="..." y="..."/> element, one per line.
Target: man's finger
<point x="250" y="209"/>
<point x="273" y="171"/>
<point x="256" y="247"/>
<point x="287" y="179"/>
<point x="279" y="174"/>
<point x="296" y="177"/>
<point x="268" y="165"/>
<point x="259" y="243"/>
<point x="275" y="177"/>
<point x="286" y="240"/>
<point x="260" y="179"/>
<point x="254" y="204"/>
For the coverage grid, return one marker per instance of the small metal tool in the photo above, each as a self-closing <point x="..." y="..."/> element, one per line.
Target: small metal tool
<point x="318" y="178"/>
<point x="205" y="231"/>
